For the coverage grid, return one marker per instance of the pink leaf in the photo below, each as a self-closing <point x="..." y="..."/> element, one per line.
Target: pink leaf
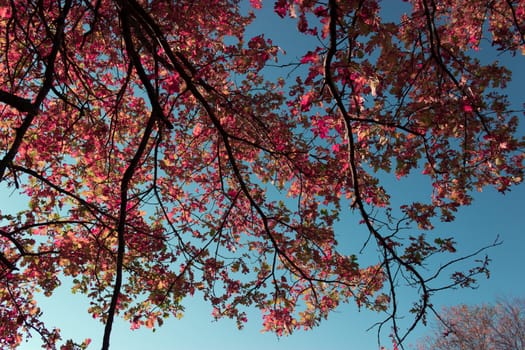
<point x="256" y="4"/>
<point x="310" y="57"/>
<point x="306" y="101"/>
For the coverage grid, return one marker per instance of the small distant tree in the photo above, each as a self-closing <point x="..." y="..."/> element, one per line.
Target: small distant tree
<point x="486" y="327"/>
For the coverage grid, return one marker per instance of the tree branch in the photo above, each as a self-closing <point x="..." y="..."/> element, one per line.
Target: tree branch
<point x="124" y="187"/>
<point x="42" y="93"/>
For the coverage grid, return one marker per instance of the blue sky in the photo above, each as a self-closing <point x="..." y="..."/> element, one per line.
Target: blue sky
<point x="492" y="214"/>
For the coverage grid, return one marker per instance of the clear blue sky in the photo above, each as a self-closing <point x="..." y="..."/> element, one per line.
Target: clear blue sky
<point x="491" y="214"/>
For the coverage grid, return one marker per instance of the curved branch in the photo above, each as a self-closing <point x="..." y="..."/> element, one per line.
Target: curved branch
<point x="124" y="187"/>
<point x="42" y="93"/>
<point x="382" y="242"/>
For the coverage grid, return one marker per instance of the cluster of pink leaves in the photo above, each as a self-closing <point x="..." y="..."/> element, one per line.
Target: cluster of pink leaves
<point x="148" y="142"/>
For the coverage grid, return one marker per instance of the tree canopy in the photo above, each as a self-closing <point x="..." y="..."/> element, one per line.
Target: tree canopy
<point x="161" y="157"/>
<point x="499" y="326"/>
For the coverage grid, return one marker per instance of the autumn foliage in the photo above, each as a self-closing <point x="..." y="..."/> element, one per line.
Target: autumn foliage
<point x="167" y="154"/>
